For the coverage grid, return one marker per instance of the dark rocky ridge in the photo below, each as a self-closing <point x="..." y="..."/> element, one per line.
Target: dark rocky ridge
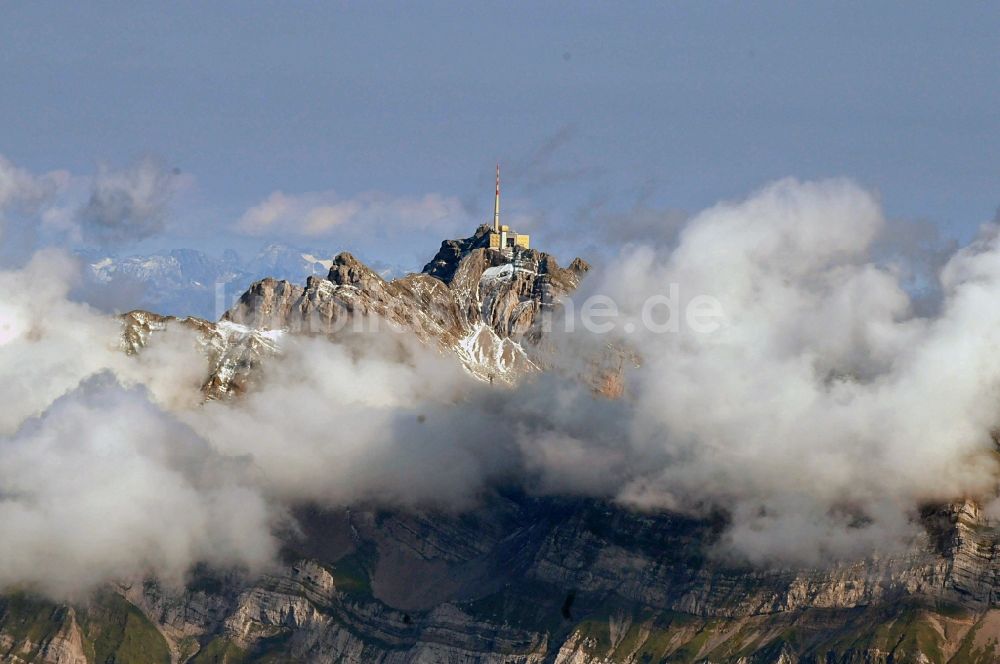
<point x="525" y="579"/>
<point x="446" y="261"/>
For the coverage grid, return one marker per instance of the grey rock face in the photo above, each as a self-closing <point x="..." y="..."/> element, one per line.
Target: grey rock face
<point x="523" y="579"/>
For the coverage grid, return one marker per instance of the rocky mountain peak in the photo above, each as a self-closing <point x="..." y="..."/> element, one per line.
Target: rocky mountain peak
<point x="579" y="266"/>
<point x="349" y="271"/>
<point x="451" y="253"/>
<point x="470" y="300"/>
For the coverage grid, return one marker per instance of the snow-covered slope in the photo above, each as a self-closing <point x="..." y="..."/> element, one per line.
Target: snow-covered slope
<point x="233" y="352"/>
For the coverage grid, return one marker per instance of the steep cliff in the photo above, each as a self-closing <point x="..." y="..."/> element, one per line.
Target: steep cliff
<point x="524" y="580"/>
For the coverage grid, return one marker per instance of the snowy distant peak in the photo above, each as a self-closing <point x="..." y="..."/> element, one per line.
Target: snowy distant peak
<point x="312" y="260"/>
<point x="177" y="281"/>
<point x="285" y="262"/>
<point x="184" y="282"/>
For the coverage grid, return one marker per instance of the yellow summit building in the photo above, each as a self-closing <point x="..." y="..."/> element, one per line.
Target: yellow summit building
<point x="502" y="238"/>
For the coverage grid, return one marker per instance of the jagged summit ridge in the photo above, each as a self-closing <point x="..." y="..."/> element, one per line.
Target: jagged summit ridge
<point x="451" y="253"/>
<point x="469" y="300"/>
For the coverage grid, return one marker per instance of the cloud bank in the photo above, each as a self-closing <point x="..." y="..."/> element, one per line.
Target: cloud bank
<point x="820" y="416"/>
<point x="105" y="485"/>
<point x="823" y="412"/>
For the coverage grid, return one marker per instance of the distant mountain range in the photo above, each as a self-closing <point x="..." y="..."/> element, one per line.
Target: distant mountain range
<point x="187" y="282"/>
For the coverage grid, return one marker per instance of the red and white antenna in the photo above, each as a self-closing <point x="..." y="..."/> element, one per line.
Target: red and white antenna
<point x="496" y="203"/>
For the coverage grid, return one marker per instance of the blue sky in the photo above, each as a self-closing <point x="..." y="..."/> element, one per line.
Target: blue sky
<point x="591" y="106"/>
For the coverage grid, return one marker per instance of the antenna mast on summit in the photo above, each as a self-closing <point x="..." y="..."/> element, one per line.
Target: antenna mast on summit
<point x="496" y="204"/>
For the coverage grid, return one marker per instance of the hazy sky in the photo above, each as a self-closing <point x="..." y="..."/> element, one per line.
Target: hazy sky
<point x="606" y="105"/>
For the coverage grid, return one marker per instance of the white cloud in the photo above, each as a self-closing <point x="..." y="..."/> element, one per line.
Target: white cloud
<point x="100" y="480"/>
<point x="823" y="399"/>
<point x="105" y="485"/>
<point x="820" y="416"/>
<point x="318" y="214"/>
<point x="372" y="223"/>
